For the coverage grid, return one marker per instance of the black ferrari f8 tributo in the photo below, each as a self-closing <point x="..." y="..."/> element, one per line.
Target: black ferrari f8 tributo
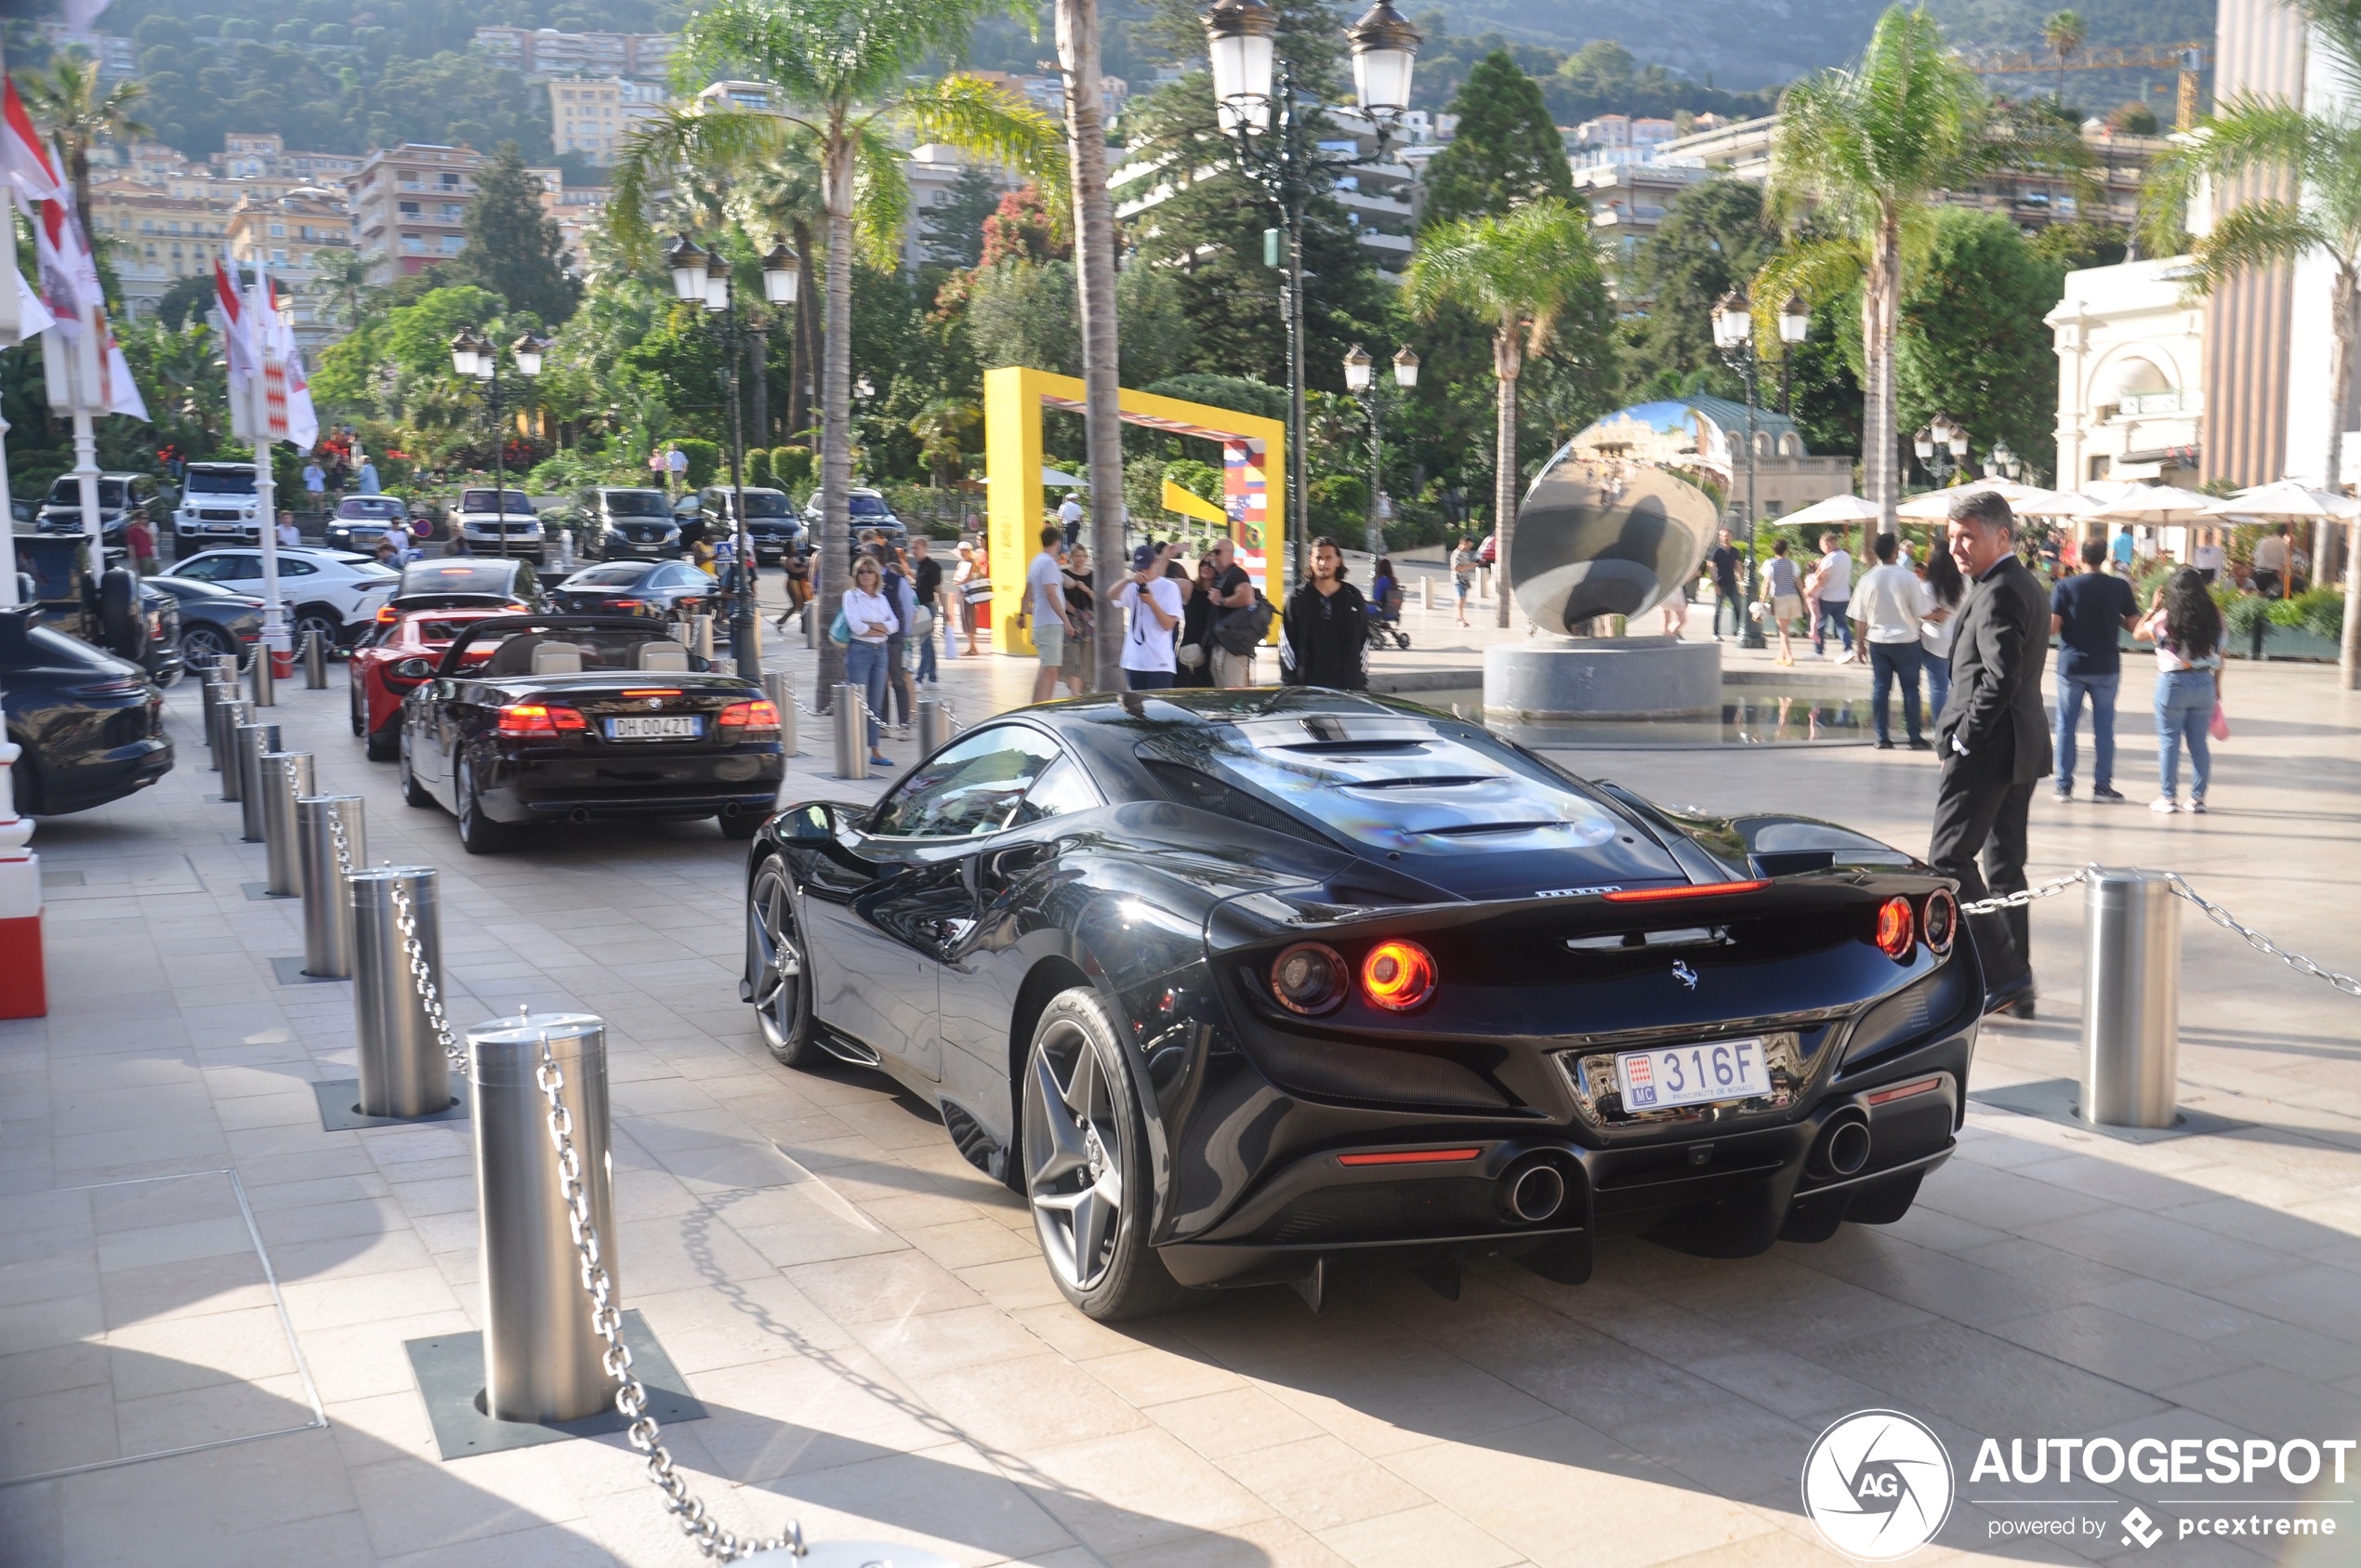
<point x="1245" y="987"/>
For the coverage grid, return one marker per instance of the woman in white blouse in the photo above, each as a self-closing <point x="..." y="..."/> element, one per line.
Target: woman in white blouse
<point x="871" y="619"/>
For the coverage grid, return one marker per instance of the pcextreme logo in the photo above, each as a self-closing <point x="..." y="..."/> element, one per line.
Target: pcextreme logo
<point x="1878" y="1485"/>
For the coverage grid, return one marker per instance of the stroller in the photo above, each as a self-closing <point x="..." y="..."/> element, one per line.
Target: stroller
<point x="1384" y="619"/>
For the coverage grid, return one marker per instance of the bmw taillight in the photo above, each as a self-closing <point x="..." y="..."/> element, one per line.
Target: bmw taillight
<point x="118" y="686"/>
<point x="1310" y="977"/>
<point x="541" y="719"/>
<point x="1940" y="921"/>
<point x="1896" y="930"/>
<point x="1397" y="975"/>
<point x="749" y="720"/>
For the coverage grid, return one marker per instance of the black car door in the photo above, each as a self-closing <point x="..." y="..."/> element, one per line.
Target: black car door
<point x="885" y="910"/>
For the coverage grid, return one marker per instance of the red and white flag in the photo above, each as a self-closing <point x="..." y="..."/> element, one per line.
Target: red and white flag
<point x="237" y="332"/>
<point x="69" y="278"/>
<point x="26" y="167"/>
<point x="302" y="422"/>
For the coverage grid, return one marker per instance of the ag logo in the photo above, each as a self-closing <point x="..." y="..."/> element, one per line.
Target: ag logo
<point x="1878" y="1484"/>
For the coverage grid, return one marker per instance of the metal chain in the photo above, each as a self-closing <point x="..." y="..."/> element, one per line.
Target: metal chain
<point x="2050" y="888"/>
<point x="2259" y="942"/>
<point x="631" y="1395"/>
<point x="405" y="921"/>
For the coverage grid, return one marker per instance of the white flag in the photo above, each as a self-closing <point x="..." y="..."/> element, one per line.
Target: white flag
<point x="303" y="422"/>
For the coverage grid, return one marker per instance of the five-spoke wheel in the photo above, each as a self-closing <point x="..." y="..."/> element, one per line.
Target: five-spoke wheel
<point x="774" y="969"/>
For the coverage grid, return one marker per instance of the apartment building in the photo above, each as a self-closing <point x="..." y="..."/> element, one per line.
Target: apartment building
<point x="410" y="206"/>
<point x="263" y="157"/>
<point x="159" y="237"/>
<point x="539" y="52"/>
<point x="931" y="171"/>
<point x="290" y="237"/>
<point x="592" y="115"/>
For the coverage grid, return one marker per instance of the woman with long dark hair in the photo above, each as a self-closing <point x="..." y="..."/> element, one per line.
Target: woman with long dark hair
<point x="1947" y="587"/>
<point x="2185" y="626"/>
<point x="1194" y="650"/>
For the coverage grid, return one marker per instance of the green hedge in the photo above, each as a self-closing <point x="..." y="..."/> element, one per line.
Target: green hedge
<point x="791" y="466"/>
<point x="758" y="468"/>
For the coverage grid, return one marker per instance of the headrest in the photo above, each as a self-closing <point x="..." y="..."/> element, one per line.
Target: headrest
<point x="661" y="653"/>
<point x="557" y="658"/>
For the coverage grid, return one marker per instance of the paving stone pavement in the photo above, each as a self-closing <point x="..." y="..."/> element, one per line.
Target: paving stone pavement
<point x="869" y="1323"/>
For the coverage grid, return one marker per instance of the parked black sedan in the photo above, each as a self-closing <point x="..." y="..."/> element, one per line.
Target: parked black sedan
<point x="578" y="716"/>
<point x="1246" y="987"/>
<point x="91" y="724"/>
<point x="213" y="619"/>
<point x="661" y="590"/>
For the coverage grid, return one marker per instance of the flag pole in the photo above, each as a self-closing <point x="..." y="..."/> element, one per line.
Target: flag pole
<point x="83" y="359"/>
<point x="23" y="963"/>
<point x="265" y="509"/>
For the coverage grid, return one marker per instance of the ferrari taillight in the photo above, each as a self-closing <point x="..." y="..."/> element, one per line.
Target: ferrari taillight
<point x="757" y="718"/>
<point x="1896" y="930"/>
<point x="386" y="616"/>
<point x="1397" y="975"/>
<point x="1310" y="977"/>
<point x="540" y="720"/>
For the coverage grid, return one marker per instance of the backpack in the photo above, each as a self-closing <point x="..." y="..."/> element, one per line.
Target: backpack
<point x="1242" y="630"/>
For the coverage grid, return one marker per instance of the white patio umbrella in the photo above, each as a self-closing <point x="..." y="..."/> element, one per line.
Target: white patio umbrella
<point x="2285" y="501"/>
<point x="1935" y="505"/>
<point x="2157" y="505"/>
<point x="2061" y="504"/>
<point x="1836" y="511"/>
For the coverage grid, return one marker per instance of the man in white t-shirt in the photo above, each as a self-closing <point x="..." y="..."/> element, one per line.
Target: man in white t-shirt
<point x="2209" y="558"/>
<point x="1154" y="602"/>
<point x="1070" y="518"/>
<point x="1045" y="602"/>
<point x="1834" y="576"/>
<point x="1891" y="604"/>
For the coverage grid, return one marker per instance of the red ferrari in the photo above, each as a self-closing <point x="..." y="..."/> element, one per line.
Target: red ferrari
<point x="397" y="653"/>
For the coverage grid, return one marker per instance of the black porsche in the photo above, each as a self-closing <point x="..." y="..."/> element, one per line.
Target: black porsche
<point x="1247" y="987"/>
<point x="580" y="717"/>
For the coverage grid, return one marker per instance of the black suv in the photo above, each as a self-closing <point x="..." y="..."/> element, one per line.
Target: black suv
<point x="771" y="519"/>
<point x="871" y="513"/>
<point x="119" y="496"/>
<point x="614" y="523"/>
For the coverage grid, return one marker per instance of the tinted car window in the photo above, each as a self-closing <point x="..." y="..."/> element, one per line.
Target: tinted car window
<point x="204" y="483"/>
<point x="67" y="492"/>
<point x="374" y="507"/>
<point x="607" y="576"/>
<point x="204" y="569"/>
<point x="459" y="576"/>
<point x="636" y="502"/>
<point x="677" y="577"/>
<point x="970" y="787"/>
<point x="238" y="568"/>
<point x="1060" y="791"/>
<point x="290" y="568"/>
<point x="481" y="501"/>
<point x="868" y="506"/>
<point x="759" y="504"/>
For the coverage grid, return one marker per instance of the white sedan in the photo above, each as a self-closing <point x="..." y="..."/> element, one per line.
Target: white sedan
<point x="337" y="593"/>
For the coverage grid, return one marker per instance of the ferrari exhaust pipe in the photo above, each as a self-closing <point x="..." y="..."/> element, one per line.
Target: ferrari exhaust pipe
<point x="1532" y="1191"/>
<point x="579" y="815"/>
<point x="1844" y="1145"/>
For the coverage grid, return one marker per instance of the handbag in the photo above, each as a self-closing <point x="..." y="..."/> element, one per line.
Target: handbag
<point x="1190" y="654"/>
<point x="841" y="630"/>
<point x="922" y="623"/>
<point x="1240" y="631"/>
<point x="977" y="590"/>
<point x="2218" y="726"/>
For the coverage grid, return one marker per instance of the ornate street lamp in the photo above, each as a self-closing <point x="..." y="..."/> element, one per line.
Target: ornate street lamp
<point x="1256" y="105"/>
<point x="475" y="358"/>
<point x="1734" y="335"/>
<point x="1360" y="379"/>
<point x="1795" y="326"/>
<point x="1942" y="446"/>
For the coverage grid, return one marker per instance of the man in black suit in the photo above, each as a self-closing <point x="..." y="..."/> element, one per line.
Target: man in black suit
<point x="1992" y="735"/>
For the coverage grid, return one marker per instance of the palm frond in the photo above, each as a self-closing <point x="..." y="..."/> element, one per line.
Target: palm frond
<point x="832" y="53"/>
<point x="983" y="118"/>
<point x="1523" y="269"/>
<point x="880" y="196"/>
<point x="653" y="156"/>
<point x="2253" y="236"/>
<point x="1821" y="269"/>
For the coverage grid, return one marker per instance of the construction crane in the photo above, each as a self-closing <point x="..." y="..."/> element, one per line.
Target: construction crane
<point x="2189" y="60"/>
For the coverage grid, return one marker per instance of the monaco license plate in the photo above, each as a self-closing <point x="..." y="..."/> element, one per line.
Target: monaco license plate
<point x="1693" y="1074"/>
<point x="687" y="727"/>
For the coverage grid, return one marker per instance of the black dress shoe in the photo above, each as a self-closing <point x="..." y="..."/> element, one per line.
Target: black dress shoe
<point x="1885" y="745"/>
<point x="1920" y="743"/>
<point x="2022" y="1007"/>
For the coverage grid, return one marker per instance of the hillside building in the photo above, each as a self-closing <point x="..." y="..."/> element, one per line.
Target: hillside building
<point x="545" y="51"/>
<point x="593" y="115"/>
<point x="410" y="206"/>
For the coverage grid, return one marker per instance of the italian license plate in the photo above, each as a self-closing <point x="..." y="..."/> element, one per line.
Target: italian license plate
<point x="686" y="726"/>
<point x="1693" y="1074"/>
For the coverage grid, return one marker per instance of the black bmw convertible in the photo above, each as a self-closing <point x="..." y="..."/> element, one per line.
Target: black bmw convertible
<point x="1256" y="987"/>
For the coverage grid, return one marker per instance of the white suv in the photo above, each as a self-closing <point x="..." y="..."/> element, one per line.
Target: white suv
<point x="505" y="525"/>
<point x="333" y="592"/>
<point x="216" y="506"/>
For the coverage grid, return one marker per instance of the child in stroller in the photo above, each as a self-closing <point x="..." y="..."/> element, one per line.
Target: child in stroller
<point x="1385" y="608"/>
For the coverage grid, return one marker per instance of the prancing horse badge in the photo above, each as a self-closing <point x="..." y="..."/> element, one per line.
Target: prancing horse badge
<point x="1685" y="975"/>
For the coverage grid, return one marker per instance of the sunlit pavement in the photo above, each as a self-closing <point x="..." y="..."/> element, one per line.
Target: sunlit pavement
<point x="882" y="1351"/>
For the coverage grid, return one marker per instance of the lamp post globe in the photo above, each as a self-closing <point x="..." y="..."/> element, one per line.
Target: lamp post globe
<point x="528" y="352"/>
<point x="686" y="261"/>
<point x="1795" y="320"/>
<point x="1406" y="369"/>
<point x="1385" y="49"/>
<point x="782" y="270"/>
<point x="1242" y="41"/>
<point x="1357" y="365"/>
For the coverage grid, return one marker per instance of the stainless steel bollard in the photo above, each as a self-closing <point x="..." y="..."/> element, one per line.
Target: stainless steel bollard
<point x="853" y="731"/>
<point x="1426" y="593"/>
<point x="213" y="693"/>
<point x="287" y="775"/>
<point x="261" y="679"/>
<point x="933" y="731"/>
<point x="227" y="716"/>
<point x="2130" y="999"/>
<point x="541" y="1357"/>
<point x="403" y="1072"/>
<point x="811" y="624"/>
<point x="701" y="636"/>
<point x="315" y="661"/>
<point x="780" y="688"/>
<point x="253" y="741"/>
<point x="327" y="909"/>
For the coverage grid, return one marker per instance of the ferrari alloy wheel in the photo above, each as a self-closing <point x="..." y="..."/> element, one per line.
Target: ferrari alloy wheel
<point x="359" y="709"/>
<point x="479" y="834"/>
<point x="774" y="969"/>
<point x="1086" y="1166"/>
<point x="413" y="793"/>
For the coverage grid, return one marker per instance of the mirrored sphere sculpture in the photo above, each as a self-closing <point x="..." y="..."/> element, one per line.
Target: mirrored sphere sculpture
<point x="1619" y="517"/>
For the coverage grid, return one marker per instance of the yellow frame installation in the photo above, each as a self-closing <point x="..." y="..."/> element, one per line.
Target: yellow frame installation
<point x="1255" y="459"/>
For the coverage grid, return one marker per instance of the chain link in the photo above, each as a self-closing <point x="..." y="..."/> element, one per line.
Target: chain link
<point x="2259" y="942"/>
<point x="405" y="921"/>
<point x="631" y="1396"/>
<point x="2214" y="912"/>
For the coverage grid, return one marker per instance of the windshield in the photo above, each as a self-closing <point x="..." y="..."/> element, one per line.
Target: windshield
<point x="862" y="506"/>
<point x="435" y="634"/>
<point x="766" y="503"/>
<point x="460" y="576"/>
<point x="636" y="503"/>
<point x="228" y="483"/>
<point x="378" y="507"/>
<point x="481" y="501"/>
<point x="67" y="492"/>
<point x="1396" y="782"/>
<point x="606" y="577"/>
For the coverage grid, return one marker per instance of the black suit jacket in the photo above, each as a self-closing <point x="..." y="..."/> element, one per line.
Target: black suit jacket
<point x="1997" y="656"/>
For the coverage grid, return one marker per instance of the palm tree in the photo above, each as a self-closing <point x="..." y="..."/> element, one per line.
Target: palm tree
<point x="342" y="276"/>
<point x="1858" y="161"/>
<point x="1517" y="274"/>
<point x="72" y="105"/>
<point x="2316" y="151"/>
<point x="2065" y="33"/>
<point x="1094" y="286"/>
<point x="842" y="71"/>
